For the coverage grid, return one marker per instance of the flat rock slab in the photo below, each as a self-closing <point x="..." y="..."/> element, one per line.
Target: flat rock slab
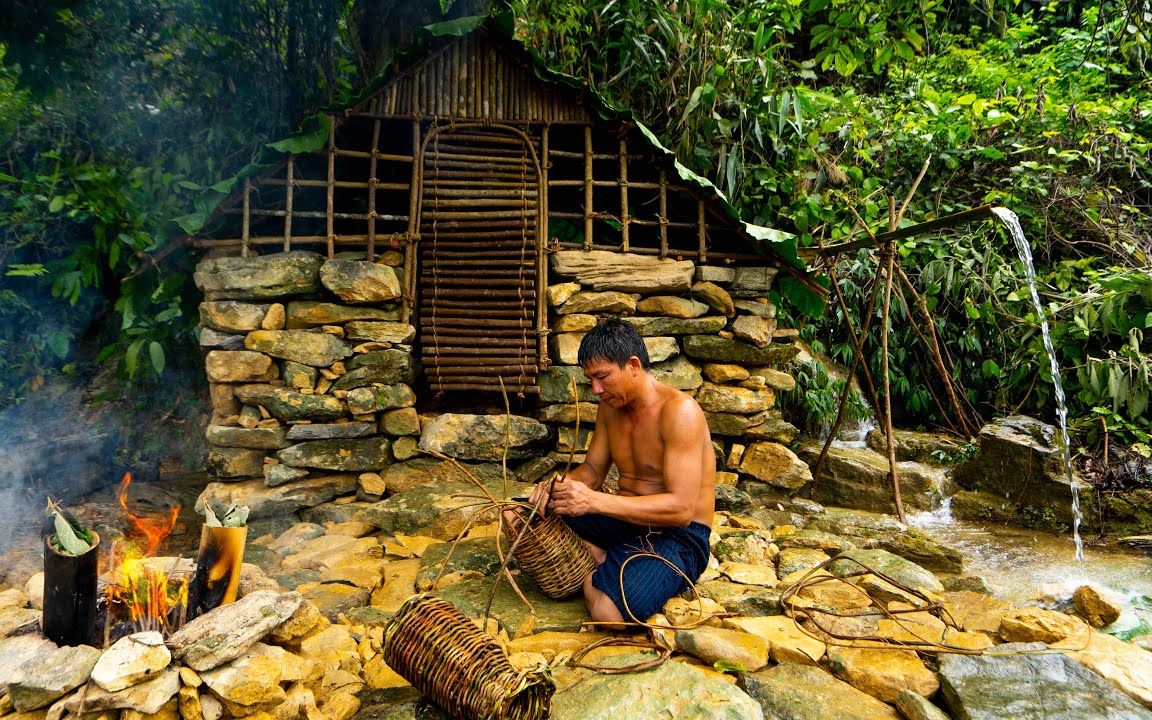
<point x="131" y="660"/>
<point x="270" y="502"/>
<point x="16" y="651"/>
<point x="263" y="276"/>
<point x="673" y="690"/>
<point x="147" y="698"/>
<point x="46" y="678"/>
<point x="228" y="631"/>
<point x="359" y="281"/>
<point x="606" y="270"/>
<point x="483" y="437"/>
<point x="471" y="596"/>
<point x="804" y="692"/>
<point x="1031" y="687"/>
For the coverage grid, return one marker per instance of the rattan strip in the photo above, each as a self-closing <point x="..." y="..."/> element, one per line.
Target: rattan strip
<point x="446" y="657"/>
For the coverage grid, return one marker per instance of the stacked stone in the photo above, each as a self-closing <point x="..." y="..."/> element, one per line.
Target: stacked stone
<point x="310" y="375"/>
<point x="710" y="331"/>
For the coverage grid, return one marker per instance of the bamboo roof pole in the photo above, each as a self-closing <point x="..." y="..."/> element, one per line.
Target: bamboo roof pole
<point x="587" y="187"/>
<point x="288" y="193"/>
<point x="541" y="255"/>
<point x="624" y="219"/>
<point x="246" y="220"/>
<point x="663" y="214"/>
<point x="331" y="191"/>
<point x="372" y="181"/>
<point x="408" y="298"/>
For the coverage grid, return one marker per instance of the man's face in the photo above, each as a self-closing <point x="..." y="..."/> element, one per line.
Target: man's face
<point x="614" y="385"/>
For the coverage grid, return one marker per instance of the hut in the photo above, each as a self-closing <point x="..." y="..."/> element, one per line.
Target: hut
<point x="450" y="238"/>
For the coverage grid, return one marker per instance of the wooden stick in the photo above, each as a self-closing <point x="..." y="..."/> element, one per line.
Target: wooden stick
<point x="588" y="187"/>
<point x="247" y="220"/>
<point x="624" y="219"/>
<point x="372" y="180"/>
<point x="330" y="208"/>
<point x="885" y="324"/>
<point x="663" y="220"/>
<point x="288" y="192"/>
<point x="702" y="230"/>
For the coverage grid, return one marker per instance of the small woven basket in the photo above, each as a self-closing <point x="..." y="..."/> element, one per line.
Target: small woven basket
<point x="447" y="658"/>
<point x="551" y="553"/>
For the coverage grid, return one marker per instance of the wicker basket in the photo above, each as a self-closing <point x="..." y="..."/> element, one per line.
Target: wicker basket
<point x="446" y="657"/>
<point x="551" y="553"/>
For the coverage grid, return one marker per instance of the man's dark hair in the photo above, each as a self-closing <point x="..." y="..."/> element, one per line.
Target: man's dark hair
<point x="613" y="341"/>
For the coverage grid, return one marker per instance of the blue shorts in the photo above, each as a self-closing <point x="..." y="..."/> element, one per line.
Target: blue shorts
<point x="648" y="582"/>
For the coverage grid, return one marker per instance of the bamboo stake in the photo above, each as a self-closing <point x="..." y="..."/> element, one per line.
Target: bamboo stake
<point x="624" y="219"/>
<point x="247" y="218"/>
<point x="410" y="249"/>
<point x="372" y="180"/>
<point x="331" y="221"/>
<point x="541" y="255"/>
<point x="663" y="219"/>
<point x="588" y="187"/>
<point x="702" y="230"/>
<point x="288" y="192"/>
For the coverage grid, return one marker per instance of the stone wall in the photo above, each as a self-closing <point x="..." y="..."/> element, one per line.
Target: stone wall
<point x="311" y="373"/>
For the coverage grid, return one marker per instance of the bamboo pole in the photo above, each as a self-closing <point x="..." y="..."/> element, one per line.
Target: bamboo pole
<point x="588" y="187"/>
<point x="663" y="219"/>
<point x="624" y="219"/>
<point x="288" y="192"/>
<point x="372" y="181"/>
<point x="350" y="184"/>
<point x="476" y="386"/>
<point x="410" y="249"/>
<point x="331" y="201"/>
<point x="246" y="222"/>
<point x="702" y="230"/>
<point x="541" y="255"/>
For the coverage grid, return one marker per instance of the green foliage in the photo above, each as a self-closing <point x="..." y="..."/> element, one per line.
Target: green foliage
<point x="816" y="397"/>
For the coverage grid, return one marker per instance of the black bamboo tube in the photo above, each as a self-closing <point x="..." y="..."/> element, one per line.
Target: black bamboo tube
<point x="70" y="595"/>
<point x="218" y="565"/>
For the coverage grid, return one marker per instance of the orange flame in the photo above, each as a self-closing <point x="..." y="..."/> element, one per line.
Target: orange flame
<point x="154" y="528"/>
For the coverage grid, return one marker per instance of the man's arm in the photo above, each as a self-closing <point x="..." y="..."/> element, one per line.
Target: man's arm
<point x="682" y="428"/>
<point x="592" y="471"/>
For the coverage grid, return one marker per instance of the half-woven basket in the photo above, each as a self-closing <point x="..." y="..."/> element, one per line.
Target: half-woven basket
<point x="550" y="552"/>
<point x="446" y="657"/>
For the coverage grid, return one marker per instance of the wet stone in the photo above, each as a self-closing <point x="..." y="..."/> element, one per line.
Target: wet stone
<point x="344" y="454"/>
<point x="330" y="431"/>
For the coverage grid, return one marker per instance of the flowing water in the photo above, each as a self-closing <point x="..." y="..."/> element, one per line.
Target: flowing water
<point x="1013" y="224"/>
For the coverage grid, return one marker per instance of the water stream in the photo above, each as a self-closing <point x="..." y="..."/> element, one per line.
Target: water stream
<point x="1013" y="224"/>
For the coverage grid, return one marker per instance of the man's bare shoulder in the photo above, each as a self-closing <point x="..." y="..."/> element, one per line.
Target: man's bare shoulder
<point x="679" y="407"/>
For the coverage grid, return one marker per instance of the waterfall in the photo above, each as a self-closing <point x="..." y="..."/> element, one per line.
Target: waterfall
<point x="1013" y="224"/>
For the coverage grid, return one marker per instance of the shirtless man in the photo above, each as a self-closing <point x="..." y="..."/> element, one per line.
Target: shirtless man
<point x="659" y="441"/>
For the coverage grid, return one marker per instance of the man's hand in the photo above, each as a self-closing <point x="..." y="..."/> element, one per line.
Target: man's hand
<point x="572" y="498"/>
<point x="540" y="496"/>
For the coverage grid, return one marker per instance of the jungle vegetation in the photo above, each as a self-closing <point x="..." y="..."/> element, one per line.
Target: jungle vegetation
<point x="120" y="117"/>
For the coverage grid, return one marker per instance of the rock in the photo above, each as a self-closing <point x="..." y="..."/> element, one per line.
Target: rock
<point x="574" y="323"/>
<point x="799" y="559"/>
<point x="275" y="319"/>
<point x="729" y="498"/>
<point x="288" y="405"/>
<point x="257" y="438"/>
<point x="210" y="338"/>
<point x="1095" y="607"/>
<point x="729" y="399"/>
<point x="566" y="413"/>
<point x="229" y="631"/>
<point x="803" y="692"/>
<point x="1035" y="624"/>
<point x="279" y="474"/>
<point x="16" y="651"/>
<point x="225" y="462"/>
<point x="883" y="673"/>
<point x="915" y="446"/>
<point x="334" y="598"/>
<point x="789" y="644"/>
<point x="566" y="346"/>
<point x="858" y="478"/>
<point x="759" y="307"/>
<point x="749" y="573"/>
<point x="304" y="623"/>
<point x="131" y="660"/>
<point x="753" y="282"/>
<point x="239" y="366"/>
<point x="13" y="598"/>
<point x="917" y="707"/>
<point x="333" y="648"/>
<point x="728" y="424"/>
<point x="268" y="502"/>
<point x="650" y="326"/>
<point x="358" y="281"/>
<point x="146" y="698"/>
<point x="1126" y="666"/>
<point x="1020" y="458"/>
<point x="367" y="376"/>
<point x="44" y="678"/>
<point x="718" y="349"/>
<point x="291" y="538"/>
<point x="394" y="361"/>
<point x="672" y="690"/>
<point x="302" y="346"/>
<point x="402" y="421"/>
<point x="440" y="510"/>
<point x="754" y="548"/>
<point x="906" y="573"/>
<point x="606" y="270"/>
<point x="362" y="401"/>
<point x="307" y="313"/>
<point x="556" y="385"/>
<point x="725" y="373"/>
<point x="671" y="306"/>
<point x="331" y="431"/>
<point x="714" y="297"/>
<point x="379" y="331"/>
<point x="711" y="273"/>
<point x="713" y="645"/>
<point x="483" y="437"/>
<point x="774" y="427"/>
<point x="678" y="373"/>
<point x="586" y="302"/>
<point x="559" y="293"/>
<point x="776" y="379"/>
<point x="755" y="330"/>
<point x="775" y="465"/>
<point x="34" y="591"/>
<point x="342" y="455"/>
<point x="1030" y="686"/>
<point x="229" y="316"/>
<point x="328" y="551"/>
<point x="251" y="679"/>
<point x="261" y="276"/>
<point x="471" y="597"/>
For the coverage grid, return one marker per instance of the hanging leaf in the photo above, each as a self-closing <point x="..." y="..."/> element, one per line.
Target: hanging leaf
<point x="156" y="355"/>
